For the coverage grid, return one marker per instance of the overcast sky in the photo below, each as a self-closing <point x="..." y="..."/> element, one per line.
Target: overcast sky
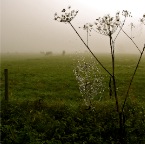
<point x="29" y="26"/>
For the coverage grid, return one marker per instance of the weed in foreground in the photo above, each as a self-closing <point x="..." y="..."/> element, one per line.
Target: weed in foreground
<point x="107" y="26"/>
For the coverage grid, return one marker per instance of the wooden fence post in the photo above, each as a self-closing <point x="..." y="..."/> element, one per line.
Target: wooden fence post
<point x="6" y="84"/>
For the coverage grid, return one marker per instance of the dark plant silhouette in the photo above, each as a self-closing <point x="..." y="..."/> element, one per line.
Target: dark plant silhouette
<point x="110" y="27"/>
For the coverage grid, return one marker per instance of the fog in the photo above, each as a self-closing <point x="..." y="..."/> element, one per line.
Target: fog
<point x="29" y="26"/>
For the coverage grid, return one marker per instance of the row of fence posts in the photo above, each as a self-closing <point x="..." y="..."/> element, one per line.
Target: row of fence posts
<point x="6" y="85"/>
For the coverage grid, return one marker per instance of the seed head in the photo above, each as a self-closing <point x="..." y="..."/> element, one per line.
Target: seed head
<point x="107" y="24"/>
<point x="67" y="15"/>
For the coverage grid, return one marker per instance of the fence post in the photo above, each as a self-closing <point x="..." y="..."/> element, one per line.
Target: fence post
<point x="6" y="84"/>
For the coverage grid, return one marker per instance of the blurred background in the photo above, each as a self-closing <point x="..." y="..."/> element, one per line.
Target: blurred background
<point x="28" y="26"/>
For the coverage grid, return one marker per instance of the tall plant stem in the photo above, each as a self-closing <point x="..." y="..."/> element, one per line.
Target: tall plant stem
<point x="127" y="94"/>
<point x="90" y="50"/>
<point x="113" y="72"/>
<point x="120" y="115"/>
<point x="87" y="37"/>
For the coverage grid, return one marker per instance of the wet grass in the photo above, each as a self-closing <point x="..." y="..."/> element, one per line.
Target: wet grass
<point x="46" y="107"/>
<point x="51" y="77"/>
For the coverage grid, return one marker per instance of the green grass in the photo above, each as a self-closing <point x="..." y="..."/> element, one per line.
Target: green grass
<point x="51" y="77"/>
<point x="40" y="77"/>
<point x="46" y="107"/>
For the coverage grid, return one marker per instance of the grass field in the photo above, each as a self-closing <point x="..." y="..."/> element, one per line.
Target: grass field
<point x="61" y="117"/>
<point x="51" y="77"/>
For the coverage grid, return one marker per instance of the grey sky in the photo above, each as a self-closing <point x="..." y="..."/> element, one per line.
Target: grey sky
<point x="28" y="25"/>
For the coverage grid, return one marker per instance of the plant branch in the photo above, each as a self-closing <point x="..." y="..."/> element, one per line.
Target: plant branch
<point x="131" y="40"/>
<point x="87" y="37"/>
<point x="90" y="50"/>
<point x="127" y="94"/>
<point x="99" y="32"/>
<point x="120" y="29"/>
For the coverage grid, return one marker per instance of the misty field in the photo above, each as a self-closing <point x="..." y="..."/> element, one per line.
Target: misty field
<point x="51" y="77"/>
<point x="45" y="104"/>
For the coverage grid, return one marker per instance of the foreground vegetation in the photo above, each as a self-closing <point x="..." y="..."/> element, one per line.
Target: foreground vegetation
<point x="38" y="122"/>
<point x="45" y="105"/>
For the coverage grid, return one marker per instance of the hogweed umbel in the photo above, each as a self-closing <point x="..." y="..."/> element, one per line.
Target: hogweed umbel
<point x="88" y="28"/>
<point x="107" y="25"/>
<point x="67" y="15"/>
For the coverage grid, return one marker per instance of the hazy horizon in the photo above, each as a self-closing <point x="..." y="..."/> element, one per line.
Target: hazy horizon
<point x="28" y="26"/>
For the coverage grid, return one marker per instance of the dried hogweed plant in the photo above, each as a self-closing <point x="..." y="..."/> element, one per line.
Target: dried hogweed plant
<point x="111" y="27"/>
<point x="66" y="16"/>
<point x="108" y="25"/>
<point x="88" y="28"/>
